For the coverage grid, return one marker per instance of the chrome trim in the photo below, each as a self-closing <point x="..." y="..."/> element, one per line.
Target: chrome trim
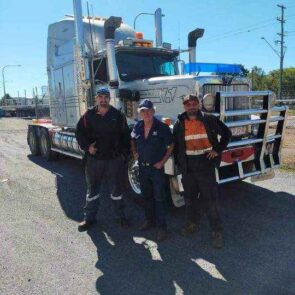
<point x="229" y="179"/>
<point x="252" y="173"/>
<point x="245" y="112"/>
<point x="276" y="118"/>
<point x="273" y="137"/>
<point x="222" y="108"/>
<point x="244" y="122"/>
<point x="244" y="142"/>
<point x="272" y="162"/>
<point x="280" y="109"/>
<point x="158" y="27"/>
<point x="245" y="93"/>
<point x="241" y="171"/>
<point x="265" y="118"/>
<point x="267" y="103"/>
<point x="67" y="153"/>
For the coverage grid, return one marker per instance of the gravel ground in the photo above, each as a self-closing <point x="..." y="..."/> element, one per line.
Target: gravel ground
<point x="43" y="253"/>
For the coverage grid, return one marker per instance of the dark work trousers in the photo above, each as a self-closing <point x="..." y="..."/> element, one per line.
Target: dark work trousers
<point x="153" y="186"/>
<point x="201" y="191"/>
<point x="97" y="172"/>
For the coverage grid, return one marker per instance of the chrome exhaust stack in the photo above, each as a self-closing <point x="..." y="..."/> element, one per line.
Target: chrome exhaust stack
<point x="158" y="27"/>
<point x="79" y="31"/>
<point x="193" y="36"/>
<point x="110" y="25"/>
<point x="79" y="55"/>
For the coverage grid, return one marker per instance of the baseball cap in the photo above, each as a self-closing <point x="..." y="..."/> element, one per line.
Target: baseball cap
<point x="146" y="104"/>
<point x="190" y="97"/>
<point x="103" y="90"/>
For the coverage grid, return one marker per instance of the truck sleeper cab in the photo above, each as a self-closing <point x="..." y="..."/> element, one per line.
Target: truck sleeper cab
<point x="133" y="69"/>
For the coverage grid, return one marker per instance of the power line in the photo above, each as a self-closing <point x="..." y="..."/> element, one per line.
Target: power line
<point x="249" y="30"/>
<point x="246" y="28"/>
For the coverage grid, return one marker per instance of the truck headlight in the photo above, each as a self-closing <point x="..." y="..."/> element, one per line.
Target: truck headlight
<point x="209" y="102"/>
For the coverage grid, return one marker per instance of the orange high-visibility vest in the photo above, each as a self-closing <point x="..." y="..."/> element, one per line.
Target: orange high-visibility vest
<point x="196" y="139"/>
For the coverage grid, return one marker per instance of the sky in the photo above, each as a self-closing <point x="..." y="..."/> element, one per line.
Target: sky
<point x="233" y="31"/>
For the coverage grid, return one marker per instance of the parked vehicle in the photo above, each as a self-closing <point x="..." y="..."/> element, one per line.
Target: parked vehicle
<point x="85" y="53"/>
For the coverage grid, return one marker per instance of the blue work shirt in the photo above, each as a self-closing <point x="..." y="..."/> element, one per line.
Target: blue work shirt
<point x="153" y="148"/>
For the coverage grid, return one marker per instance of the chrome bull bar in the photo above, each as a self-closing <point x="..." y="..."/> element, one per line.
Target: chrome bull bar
<point x="265" y="160"/>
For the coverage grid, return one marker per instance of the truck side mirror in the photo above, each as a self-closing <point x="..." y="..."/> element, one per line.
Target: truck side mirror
<point x="125" y="93"/>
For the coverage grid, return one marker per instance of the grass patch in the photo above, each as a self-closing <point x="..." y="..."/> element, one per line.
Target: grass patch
<point x="287" y="168"/>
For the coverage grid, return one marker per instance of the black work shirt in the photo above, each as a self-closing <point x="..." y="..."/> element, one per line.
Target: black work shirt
<point x="153" y="148"/>
<point x="109" y="132"/>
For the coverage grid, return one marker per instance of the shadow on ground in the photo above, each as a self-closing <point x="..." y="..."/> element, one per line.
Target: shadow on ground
<point x="258" y="257"/>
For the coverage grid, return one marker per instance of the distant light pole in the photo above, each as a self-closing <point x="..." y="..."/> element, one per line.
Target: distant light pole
<point x="274" y="50"/>
<point x="142" y="13"/>
<point x="281" y="57"/>
<point x="3" y="76"/>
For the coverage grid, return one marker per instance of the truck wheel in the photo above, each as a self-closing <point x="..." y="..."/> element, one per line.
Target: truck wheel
<point x="45" y="146"/>
<point x="132" y="181"/>
<point x="33" y="142"/>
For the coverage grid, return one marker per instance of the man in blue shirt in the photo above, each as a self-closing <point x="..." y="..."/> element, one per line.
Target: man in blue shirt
<point x="152" y="145"/>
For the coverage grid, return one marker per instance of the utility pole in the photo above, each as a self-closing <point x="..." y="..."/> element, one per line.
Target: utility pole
<point x="282" y="54"/>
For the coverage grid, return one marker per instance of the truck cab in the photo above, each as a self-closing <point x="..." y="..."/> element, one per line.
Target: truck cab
<point x="85" y="53"/>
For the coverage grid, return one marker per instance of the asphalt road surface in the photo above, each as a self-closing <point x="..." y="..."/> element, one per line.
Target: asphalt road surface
<point x="43" y="253"/>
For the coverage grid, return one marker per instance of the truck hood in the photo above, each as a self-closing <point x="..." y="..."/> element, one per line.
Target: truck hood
<point x="166" y="92"/>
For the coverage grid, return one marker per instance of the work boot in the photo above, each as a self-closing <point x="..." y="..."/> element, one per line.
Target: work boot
<point x="190" y="229"/>
<point x="146" y="226"/>
<point x="85" y="225"/>
<point x="161" y="234"/>
<point x="123" y="222"/>
<point x="217" y="241"/>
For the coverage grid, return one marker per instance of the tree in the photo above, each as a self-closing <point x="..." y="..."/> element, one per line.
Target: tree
<point x="258" y="78"/>
<point x="5" y="98"/>
<point x="288" y="86"/>
<point x="245" y="72"/>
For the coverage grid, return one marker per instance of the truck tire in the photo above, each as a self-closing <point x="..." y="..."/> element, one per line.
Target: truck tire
<point x="33" y="141"/>
<point x="133" y="186"/>
<point x="132" y="181"/>
<point x="45" y="146"/>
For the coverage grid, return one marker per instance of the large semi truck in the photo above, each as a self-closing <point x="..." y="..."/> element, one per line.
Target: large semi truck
<point x="85" y="53"/>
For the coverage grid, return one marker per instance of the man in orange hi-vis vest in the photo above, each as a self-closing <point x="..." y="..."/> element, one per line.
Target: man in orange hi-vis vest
<point x="197" y="153"/>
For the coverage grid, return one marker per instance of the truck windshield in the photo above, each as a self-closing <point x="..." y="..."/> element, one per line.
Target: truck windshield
<point x="140" y="65"/>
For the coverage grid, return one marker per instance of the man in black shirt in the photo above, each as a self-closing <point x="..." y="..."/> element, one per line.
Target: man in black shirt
<point x="102" y="132"/>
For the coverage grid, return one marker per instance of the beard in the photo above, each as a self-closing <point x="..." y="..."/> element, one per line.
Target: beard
<point x="103" y="104"/>
<point x="192" y="112"/>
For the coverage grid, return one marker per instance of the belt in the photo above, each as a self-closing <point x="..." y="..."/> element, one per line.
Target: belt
<point x="197" y="152"/>
<point x="145" y="164"/>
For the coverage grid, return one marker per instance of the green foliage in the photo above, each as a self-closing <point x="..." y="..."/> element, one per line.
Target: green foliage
<point x="7" y="96"/>
<point x="245" y="72"/>
<point x="4" y="99"/>
<point x="270" y="81"/>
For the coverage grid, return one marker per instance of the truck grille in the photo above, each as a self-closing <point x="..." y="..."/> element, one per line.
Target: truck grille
<point x="237" y="103"/>
<point x="232" y="103"/>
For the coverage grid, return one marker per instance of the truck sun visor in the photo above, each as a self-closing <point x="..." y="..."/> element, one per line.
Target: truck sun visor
<point x="212" y="67"/>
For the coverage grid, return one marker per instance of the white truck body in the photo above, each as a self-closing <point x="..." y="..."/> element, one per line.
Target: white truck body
<point x="110" y="54"/>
